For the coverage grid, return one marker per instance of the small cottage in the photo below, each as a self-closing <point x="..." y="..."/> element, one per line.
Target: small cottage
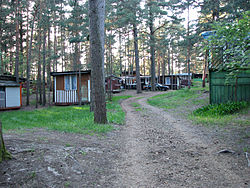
<point x="67" y="87"/>
<point x="172" y="81"/>
<point x="10" y="92"/>
<point x="113" y="83"/>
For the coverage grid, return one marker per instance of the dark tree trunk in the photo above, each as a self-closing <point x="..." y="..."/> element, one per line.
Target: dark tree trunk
<point x="138" y="78"/>
<point x="172" y="69"/>
<point x="17" y="43"/>
<point x="44" y="66"/>
<point x="152" y="48"/>
<point x="188" y="50"/>
<point x="163" y="67"/>
<point x="21" y="33"/>
<point x="39" y="79"/>
<point x="49" y="66"/>
<point x="169" y="69"/>
<point x="29" y="59"/>
<point x="204" y="70"/>
<point x="120" y="52"/>
<point x="96" y="27"/>
<point x="3" y="152"/>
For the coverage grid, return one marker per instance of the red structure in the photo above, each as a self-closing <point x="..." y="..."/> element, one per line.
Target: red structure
<point x="113" y="83"/>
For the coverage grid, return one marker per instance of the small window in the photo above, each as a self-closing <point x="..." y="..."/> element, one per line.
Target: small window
<point x="70" y="82"/>
<point x="167" y="81"/>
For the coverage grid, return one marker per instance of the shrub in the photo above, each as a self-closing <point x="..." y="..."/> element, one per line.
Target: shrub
<point x="220" y="109"/>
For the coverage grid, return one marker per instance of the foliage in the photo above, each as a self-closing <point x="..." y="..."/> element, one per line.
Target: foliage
<point x="222" y="115"/>
<point x="69" y="119"/>
<point x="220" y="109"/>
<point x="231" y="45"/>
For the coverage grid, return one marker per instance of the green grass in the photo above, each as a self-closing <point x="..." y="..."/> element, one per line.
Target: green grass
<point x="222" y="114"/>
<point x="177" y="98"/>
<point x="136" y="106"/>
<point x="67" y="118"/>
<point x="187" y="99"/>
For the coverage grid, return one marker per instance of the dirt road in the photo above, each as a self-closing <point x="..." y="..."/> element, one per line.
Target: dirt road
<point x="153" y="149"/>
<point x="159" y="150"/>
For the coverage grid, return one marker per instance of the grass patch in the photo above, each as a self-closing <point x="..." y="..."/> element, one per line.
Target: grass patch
<point x="68" y="118"/>
<point x="182" y="97"/>
<point x="220" y="109"/>
<point x="136" y="106"/>
<point x="222" y="114"/>
<point x="114" y="110"/>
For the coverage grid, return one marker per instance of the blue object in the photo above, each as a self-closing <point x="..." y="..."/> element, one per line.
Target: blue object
<point x="206" y="34"/>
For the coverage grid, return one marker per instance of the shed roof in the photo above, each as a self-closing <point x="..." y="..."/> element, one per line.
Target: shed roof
<point x="69" y="73"/>
<point x="11" y="78"/>
<point x="9" y="83"/>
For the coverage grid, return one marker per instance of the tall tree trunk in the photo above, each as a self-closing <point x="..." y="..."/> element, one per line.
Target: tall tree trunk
<point x="152" y="47"/>
<point x="159" y="66"/>
<point x="44" y="66"/>
<point x="49" y="66"/>
<point x="172" y="69"/>
<point x="120" y="52"/>
<point x="4" y="154"/>
<point x="137" y="63"/>
<point x="96" y="27"/>
<point x="80" y="86"/>
<point x="21" y="52"/>
<point x="29" y="59"/>
<point x="188" y="50"/>
<point x="39" y="79"/>
<point x="128" y="55"/>
<point x="17" y="43"/>
<point x="163" y="67"/>
<point x="204" y="70"/>
<point x="169" y="69"/>
<point x="55" y="41"/>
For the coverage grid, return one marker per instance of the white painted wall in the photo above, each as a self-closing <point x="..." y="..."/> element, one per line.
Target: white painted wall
<point x="12" y="97"/>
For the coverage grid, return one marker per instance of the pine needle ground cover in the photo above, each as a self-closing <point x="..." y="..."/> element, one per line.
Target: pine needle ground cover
<point x="67" y="118"/>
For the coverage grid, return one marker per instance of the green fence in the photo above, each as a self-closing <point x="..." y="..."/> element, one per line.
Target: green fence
<point x="237" y="90"/>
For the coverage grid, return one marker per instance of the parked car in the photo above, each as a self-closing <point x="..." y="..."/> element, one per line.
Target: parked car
<point x="158" y="86"/>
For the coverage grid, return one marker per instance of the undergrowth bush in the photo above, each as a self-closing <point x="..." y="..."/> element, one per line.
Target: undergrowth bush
<point x="220" y="109"/>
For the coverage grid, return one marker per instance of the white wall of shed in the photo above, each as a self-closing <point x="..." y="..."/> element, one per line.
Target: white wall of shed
<point x="12" y="97"/>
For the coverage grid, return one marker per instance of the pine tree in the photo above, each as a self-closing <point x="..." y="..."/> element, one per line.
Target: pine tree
<point x="96" y="28"/>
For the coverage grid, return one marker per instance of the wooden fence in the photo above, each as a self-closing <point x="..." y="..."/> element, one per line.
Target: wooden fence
<point x="236" y="90"/>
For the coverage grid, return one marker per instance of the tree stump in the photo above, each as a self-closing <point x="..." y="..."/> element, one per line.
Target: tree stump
<point x="4" y="154"/>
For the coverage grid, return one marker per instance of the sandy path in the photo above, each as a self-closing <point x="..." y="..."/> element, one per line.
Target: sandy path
<point x="158" y="150"/>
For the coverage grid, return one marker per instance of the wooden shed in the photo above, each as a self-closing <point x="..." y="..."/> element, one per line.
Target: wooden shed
<point x="113" y="83"/>
<point x="10" y="93"/>
<point x="172" y="81"/>
<point x="66" y="87"/>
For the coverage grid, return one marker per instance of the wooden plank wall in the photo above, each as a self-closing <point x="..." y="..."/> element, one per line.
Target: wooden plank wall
<point x="222" y="93"/>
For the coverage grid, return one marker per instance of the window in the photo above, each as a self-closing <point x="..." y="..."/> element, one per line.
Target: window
<point x="70" y="82"/>
<point x="167" y="81"/>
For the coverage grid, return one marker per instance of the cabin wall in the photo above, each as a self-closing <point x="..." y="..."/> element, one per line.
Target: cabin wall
<point x="220" y="92"/>
<point x="10" y="97"/>
<point x="61" y="96"/>
<point x="13" y="97"/>
<point x="84" y="86"/>
<point x="60" y="82"/>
